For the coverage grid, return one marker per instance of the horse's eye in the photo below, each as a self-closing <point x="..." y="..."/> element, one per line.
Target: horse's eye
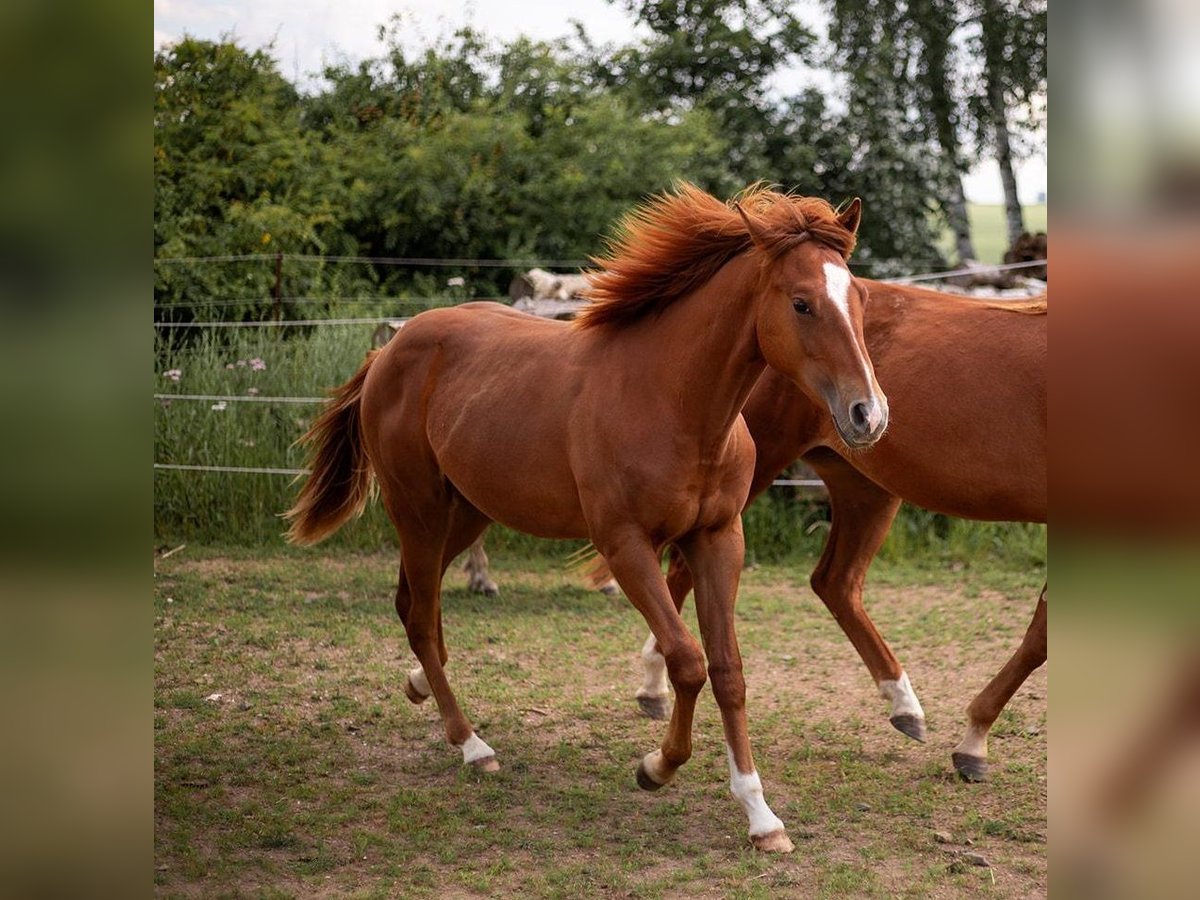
<point x="801" y="307"/>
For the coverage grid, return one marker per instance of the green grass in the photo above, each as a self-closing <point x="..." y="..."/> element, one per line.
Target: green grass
<point x="989" y="230"/>
<point x="311" y="773"/>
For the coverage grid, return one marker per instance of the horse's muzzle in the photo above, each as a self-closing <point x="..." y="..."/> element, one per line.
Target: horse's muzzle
<point x="863" y="422"/>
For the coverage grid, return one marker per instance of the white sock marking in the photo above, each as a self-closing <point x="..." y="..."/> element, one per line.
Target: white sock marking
<point x="974" y="742"/>
<point x="747" y="788"/>
<point x="654" y="669"/>
<point x="474" y="748"/>
<point x="419" y="682"/>
<point x="655" y="767"/>
<point x="903" y="697"/>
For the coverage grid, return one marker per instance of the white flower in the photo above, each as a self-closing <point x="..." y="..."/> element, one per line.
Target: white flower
<point x="173" y="374"/>
<point x="219" y="405"/>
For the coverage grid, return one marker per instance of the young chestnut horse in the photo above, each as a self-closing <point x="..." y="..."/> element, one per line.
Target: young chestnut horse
<point x="983" y="456"/>
<point x="623" y="427"/>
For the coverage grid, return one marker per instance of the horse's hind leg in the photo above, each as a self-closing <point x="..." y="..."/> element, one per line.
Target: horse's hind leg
<point x="426" y="553"/>
<point x="970" y="756"/>
<point x="654" y="696"/>
<point x="478" y="578"/>
<point x="862" y="513"/>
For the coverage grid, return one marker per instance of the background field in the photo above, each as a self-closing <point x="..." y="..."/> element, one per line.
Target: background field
<point x="989" y="232"/>
<point x="288" y="762"/>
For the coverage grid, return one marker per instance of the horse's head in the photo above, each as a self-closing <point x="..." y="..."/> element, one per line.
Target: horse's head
<point x="810" y="312"/>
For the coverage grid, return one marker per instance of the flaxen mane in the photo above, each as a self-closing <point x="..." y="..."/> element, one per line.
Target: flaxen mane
<point x="673" y="244"/>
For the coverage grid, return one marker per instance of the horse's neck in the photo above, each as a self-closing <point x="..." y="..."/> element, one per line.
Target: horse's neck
<point x="703" y="351"/>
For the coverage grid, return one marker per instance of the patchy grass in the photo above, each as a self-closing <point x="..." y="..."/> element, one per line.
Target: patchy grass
<point x="311" y="773"/>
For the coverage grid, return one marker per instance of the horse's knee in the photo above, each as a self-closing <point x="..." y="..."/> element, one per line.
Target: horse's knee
<point x="420" y="636"/>
<point x="729" y="686"/>
<point x="685" y="665"/>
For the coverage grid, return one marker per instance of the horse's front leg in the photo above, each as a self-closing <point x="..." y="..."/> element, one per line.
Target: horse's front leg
<point x="715" y="558"/>
<point x="654" y="696"/>
<point x="635" y="564"/>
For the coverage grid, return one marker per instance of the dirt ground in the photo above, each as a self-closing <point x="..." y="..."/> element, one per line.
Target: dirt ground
<point x="289" y="763"/>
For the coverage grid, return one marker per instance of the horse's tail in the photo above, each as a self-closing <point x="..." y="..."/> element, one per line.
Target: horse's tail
<point x="339" y="480"/>
<point x="589" y="564"/>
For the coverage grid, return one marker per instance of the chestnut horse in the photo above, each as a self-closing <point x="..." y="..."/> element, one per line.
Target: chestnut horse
<point x="623" y="427"/>
<point x="981" y="457"/>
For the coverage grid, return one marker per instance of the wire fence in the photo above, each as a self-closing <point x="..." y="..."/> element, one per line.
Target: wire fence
<point x="809" y="483"/>
<point x="222" y="399"/>
<point x="283" y="323"/>
<point x="379" y="320"/>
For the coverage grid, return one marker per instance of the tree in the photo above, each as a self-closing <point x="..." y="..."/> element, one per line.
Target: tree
<point x="934" y="27"/>
<point x="1011" y="41"/>
<point x="234" y="175"/>
<point x="712" y="55"/>
<point x="894" y="158"/>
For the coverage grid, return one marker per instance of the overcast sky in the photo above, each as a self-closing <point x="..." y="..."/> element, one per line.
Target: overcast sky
<point x="308" y="33"/>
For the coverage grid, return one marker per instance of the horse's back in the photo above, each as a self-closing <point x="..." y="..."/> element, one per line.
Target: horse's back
<point x="967" y="386"/>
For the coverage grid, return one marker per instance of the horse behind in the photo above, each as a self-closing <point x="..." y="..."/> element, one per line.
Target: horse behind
<point x="966" y="381"/>
<point x="635" y="440"/>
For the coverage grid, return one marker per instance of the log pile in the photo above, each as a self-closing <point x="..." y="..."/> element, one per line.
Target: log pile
<point x="548" y="294"/>
<point x="991" y="281"/>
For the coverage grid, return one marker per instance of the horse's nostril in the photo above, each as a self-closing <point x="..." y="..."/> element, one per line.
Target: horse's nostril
<point x="858" y="415"/>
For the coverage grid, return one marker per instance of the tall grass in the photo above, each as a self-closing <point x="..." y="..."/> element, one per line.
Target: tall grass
<point x="240" y="508"/>
<point x="243" y="509"/>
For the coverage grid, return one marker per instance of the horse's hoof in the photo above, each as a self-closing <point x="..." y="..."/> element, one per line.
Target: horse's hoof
<point x="413" y="694"/>
<point x="970" y="768"/>
<point x="645" y="782"/>
<point x="610" y="590"/>
<point x="656" y="707"/>
<point x="490" y="590"/>
<point x="911" y="725"/>
<point x="773" y="842"/>
<point x="486" y="764"/>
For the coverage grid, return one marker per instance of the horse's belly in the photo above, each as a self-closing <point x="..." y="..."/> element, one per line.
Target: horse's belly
<point x="510" y="461"/>
<point x="521" y="496"/>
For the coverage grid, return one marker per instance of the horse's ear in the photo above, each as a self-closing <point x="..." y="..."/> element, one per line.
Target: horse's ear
<point x="851" y="215"/>
<point x="756" y="233"/>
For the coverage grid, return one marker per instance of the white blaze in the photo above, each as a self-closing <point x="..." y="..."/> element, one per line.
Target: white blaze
<point x="837" y="285"/>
